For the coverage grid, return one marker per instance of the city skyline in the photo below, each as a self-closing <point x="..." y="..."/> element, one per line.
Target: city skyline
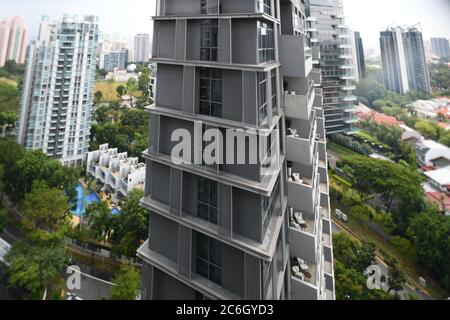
<point x="367" y="17"/>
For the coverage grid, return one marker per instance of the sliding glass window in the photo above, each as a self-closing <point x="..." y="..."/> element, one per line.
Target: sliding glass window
<point x="266" y="45"/>
<point x="209" y="47"/>
<point x="211" y="92"/>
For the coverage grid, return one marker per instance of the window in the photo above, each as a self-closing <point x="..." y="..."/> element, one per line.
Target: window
<point x="263" y="6"/>
<point x="210" y="6"/>
<point x="262" y="97"/>
<point x="266" y="51"/>
<point x="209" y="40"/>
<point x="209" y="258"/>
<point x="211" y="92"/>
<point x="267" y="275"/>
<point x="270" y="205"/>
<point x="207" y="206"/>
<point x="274" y="92"/>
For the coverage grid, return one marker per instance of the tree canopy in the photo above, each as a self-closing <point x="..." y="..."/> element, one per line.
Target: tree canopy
<point x="127" y="284"/>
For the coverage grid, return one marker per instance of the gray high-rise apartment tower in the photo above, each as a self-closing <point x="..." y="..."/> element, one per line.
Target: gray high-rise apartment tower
<point x="57" y="96"/>
<point x="440" y="47"/>
<point x="404" y="62"/>
<point x="333" y="55"/>
<point x="359" y="60"/>
<point x="236" y="229"/>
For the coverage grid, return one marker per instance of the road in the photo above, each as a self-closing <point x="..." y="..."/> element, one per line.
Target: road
<point x="408" y="289"/>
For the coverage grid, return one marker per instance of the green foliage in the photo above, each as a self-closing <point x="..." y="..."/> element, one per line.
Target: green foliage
<point x="430" y="233"/>
<point x="128" y="283"/>
<point x="440" y="78"/>
<point x="3" y="219"/>
<point x="98" y="96"/>
<point x="37" y="267"/>
<point x="121" y="90"/>
<point x="405" y="247"/>
<point x="125" y="129"/>
<point x="428" y="129"/>
<point x="131" y="225"/>
<point x="348" y="142"/>
<point x="351" y="260"/>
<point x="99" y="217"/>
<point x="394" y="183"/>
<point x="369" y="91"/>
<point x="34" y="166"/>
<point x="144" y="80"/>
<point x="9" y="97"/>
<point x="46" y="213"/>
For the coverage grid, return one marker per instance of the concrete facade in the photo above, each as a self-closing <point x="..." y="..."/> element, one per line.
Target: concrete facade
<point x="116" y="172"/>
<point x="13" y="40"/>
<point x="333" y="55"/>
<point x="57" y="96"/>
<point x="404" y="62"/>
<point x="224" y="231"/>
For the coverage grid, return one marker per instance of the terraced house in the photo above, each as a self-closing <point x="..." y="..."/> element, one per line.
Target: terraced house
<point x="236" y="229"/>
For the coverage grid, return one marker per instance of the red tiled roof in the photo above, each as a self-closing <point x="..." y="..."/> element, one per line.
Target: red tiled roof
<point x="439" y="199"/>
<point x="427" y="168"/>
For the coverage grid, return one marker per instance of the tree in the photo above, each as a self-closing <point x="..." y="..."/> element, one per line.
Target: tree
<point x="3" y="219"/>
<point x="127" y="284"/>
<point x="131" y="225"/>
<point x="428" y="129"/>
<point x="350" y="261"/>
<point x="398" y="186"/>
<point x="396" y="277"/>
<point x="144" y="80"/>
<point x="131" y="87"/>
<point x="35" y="166"/>
<point x="98" y="96"/>
<point x="37" y="268"/>
<point x="99" y="217"/>
<point x="121" y="90"/>
<point x="430" y="232"/>
<point x="46" y="213"/>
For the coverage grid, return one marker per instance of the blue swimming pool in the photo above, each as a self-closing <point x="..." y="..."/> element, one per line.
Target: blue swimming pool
<point x="84" y="201"/>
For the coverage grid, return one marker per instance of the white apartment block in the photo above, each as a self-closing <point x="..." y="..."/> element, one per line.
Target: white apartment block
<point x="141" y="47"/>
<point x="57" y="96"/>
<point x="116" y="172"/>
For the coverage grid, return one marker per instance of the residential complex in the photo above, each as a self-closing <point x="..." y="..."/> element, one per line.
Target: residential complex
<point x="256" y="226"/>
<point x="112" y="60"/>
<point x="57" y="97"/>
<point x="141" y="47"/>
<point x="359" y="61"/>
<point x="115" y="172"/>
<point x="404" y="62"/>
<point x="440" y="47"/>
<point x="332" y="47"/>
<point x="13" y="40"/>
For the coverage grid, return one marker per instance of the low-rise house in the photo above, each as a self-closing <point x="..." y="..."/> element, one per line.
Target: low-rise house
<point x="430" y="109"/>
<point x="115" y="172"/>
<point x="430" y="153"/>
<point x="439" y="179"/>
<point x="410" y="135"/>
<point x="441" y="200"/>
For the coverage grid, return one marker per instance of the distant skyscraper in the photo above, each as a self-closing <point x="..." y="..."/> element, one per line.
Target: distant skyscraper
<point x="57" y="95"/>
<point x="440" y="47"/>
<point x="404" y="62"/>
<point x="116" y="59"/>
<point x="332" y="45"/>
<point x="359" y="61"/>
<point x="13" y="40"/>
<point x="141" y="47"/>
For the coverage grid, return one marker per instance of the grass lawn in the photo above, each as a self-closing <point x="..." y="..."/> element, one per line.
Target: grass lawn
<point x="109" y="90"/>
<point x="363" y="134"/>
<point x="9" y="96"/>
<point x="341" y="150"/>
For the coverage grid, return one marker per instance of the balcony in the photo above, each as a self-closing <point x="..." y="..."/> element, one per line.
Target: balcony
<point x="303" y="282"/>
<point x="300" y="106"/>
<point x="351" y="119"/>
<point x="302" y="192"/>
<point x="301" y="149"/>
<point x="295" y="57"/>
<point x="348" y="88"/>
<point x="350" y="98"/>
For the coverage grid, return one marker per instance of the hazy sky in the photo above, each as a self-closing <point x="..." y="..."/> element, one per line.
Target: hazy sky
<point x="133" y="16"/>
